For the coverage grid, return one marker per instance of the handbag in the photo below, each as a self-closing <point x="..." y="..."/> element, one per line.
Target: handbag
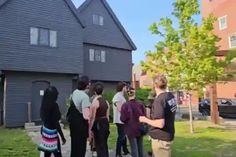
<point x="143" y="128"/>
<point x="49" y="140"/>
<point x="71" y="112"/>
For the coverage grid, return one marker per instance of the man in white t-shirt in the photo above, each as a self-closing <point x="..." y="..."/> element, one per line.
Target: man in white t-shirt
<point x="80" y="115"/>
<point x="117" y="101"/>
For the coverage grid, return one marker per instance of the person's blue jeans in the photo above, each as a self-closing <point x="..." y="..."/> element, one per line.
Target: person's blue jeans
<point x="121" y="140"/>
<point x="136" y="145"/>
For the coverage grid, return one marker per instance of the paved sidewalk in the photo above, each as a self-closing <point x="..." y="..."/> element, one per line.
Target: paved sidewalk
<point x="65" y="148"/>
<point x="229" y="123"/>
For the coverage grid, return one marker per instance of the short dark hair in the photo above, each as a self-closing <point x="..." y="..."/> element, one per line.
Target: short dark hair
<point x="131" y="92"/>
<point x="83" y="82"/>
<point x="98" y="88"/>
<point x="120" y="86"/>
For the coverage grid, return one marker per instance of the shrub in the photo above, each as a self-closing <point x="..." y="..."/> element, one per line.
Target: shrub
<point x="108" y="95"/>
<point x="142" y="94"/>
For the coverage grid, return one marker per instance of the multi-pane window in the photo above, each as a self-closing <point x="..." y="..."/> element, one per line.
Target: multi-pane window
<point x="97" y="55"/>
<point x="43" y="37"/>
<point x="232" y="41"/>
<point x="222" y="22"/>
<point x="98" y="20"/>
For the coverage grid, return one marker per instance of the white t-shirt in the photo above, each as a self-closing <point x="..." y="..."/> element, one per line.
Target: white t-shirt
<point x="81" y="100"/>
<point x="118" y="98"/>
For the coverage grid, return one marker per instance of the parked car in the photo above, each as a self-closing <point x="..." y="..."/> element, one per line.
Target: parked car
<point x="227" y="107"/>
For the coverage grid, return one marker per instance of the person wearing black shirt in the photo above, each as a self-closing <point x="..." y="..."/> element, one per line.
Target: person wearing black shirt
<point x="50" y="116"/>
<point x="162" y="119"/>
<point x="99" y="122"/>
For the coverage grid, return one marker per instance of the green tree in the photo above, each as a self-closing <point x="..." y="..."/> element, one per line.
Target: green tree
<point x="187" y="53"/>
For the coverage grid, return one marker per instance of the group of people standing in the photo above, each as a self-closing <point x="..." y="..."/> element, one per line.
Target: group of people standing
<point x="89" y="119"/>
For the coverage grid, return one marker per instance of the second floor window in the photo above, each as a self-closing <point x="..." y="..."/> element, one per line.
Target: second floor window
<point x="98" y="20"/>
<point x="232" y="41"/>
<point x="97" y="55"/>
<point x="43" y="37"/>
<point x="222" y="22"/>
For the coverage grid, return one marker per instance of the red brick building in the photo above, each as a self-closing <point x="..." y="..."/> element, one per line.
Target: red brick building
<point x="225" y="28"/>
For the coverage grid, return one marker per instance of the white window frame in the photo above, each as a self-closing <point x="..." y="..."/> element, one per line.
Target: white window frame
<point x="35" y="37"/>
<point x="52" y="38"/>
<point x="230" y="45"/>
<point x="95" y="19"/>
<point x="91" y="55"/>
<point x="101" y="20"/>
<point x="98" y="20"/>
<point x="97" y="55"/>
<point x="222" y="27"/>
<point x="103" y="56"/>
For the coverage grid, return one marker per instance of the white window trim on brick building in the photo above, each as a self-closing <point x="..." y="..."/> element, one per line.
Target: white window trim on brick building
<point x="222" y="25"/>
<point x="230" y="41"/>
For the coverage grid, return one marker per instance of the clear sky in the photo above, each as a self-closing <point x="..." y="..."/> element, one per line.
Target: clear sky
<point x="136" y="16"/>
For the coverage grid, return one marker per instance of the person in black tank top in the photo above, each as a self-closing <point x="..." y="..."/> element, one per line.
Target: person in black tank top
<point x="99" y="123"/>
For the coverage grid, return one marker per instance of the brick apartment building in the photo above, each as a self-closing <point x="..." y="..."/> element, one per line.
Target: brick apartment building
<point x="225" y="28"/>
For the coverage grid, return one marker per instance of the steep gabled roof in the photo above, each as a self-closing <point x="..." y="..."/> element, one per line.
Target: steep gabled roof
<point x="116" y="20"/>
<point x="68" y="2"/>
<point x="2" y="2"/>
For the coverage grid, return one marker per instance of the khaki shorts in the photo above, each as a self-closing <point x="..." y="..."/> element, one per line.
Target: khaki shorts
<point x="161" y="148"/>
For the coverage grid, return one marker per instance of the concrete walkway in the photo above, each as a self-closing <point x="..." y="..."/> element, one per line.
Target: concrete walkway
<point x="66" y="148"/>
<point x="229" y="123"/>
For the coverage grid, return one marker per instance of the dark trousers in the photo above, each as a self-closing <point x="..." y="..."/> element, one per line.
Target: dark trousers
<point x="79" y="134"/>
<point x="56" y="154"/>
<point x="101" y="134"/>
<point x="136" y="145"/>
<point x="121" y="140"/>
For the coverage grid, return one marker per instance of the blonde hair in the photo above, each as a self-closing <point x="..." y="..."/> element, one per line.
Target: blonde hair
<point x="160" y="81"/>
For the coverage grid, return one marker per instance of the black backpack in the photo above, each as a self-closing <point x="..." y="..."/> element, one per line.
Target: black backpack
<point x="72" y="112"/>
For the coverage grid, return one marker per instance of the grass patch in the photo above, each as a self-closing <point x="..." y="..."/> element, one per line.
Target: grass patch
<point x="208" y="141"/>
<point x="15" y="143"/>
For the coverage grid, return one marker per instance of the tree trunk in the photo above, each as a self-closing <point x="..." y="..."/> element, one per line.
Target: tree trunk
<point x="214" y="105"/>
<point x="191" y="114"/>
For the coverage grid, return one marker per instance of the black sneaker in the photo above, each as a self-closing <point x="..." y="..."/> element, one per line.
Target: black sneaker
<point x="126" y="153"/>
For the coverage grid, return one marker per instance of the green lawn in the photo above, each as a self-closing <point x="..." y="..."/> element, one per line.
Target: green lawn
<point x="208" y="141"/>
<point x="15" y="143"/>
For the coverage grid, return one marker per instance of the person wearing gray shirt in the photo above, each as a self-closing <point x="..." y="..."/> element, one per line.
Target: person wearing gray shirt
<point x="78" y="116"/>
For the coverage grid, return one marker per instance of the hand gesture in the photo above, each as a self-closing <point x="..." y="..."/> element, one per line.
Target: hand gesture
<point x="142" y="119"/>
<point x="63" y="141"/>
